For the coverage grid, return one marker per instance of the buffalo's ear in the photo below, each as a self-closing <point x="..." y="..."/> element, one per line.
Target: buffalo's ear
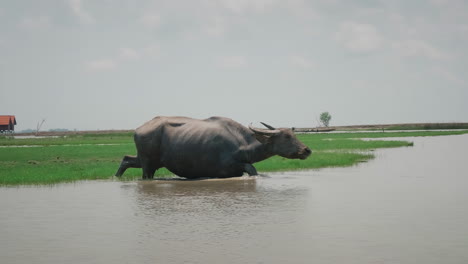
<point x="262" y="138"/>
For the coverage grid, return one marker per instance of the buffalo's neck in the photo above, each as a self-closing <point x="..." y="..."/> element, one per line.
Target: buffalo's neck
<point x="257" y="152"/>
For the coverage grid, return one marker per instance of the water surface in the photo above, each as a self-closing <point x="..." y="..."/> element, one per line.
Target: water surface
<point x="409" y="205"/>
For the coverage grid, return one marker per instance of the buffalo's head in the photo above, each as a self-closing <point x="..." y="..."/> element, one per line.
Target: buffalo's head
<point x="282" y="141"/>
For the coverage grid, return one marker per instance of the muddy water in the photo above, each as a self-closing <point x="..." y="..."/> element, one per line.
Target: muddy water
<point x="409" y="205"/>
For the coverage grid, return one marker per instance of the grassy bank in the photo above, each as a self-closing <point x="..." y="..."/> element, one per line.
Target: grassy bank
<point x="90" y="157"/>
<point x="72" y="139"/>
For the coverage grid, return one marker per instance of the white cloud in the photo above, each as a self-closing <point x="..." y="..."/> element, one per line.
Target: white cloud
<point x="359" y="37"/>
<point x="151" y="20"/>
<point x="300" y="61"/>
<point x="232" y="62"/>
<point x="462" y="29"/>
<point x="35" y="23"/>
<point x="439" y="3"/>
<point x="77" y="8"/>
<point x="302" y="8"/>
<point x="243" y="6"/>
<point x="124" y="55"/>
<point x="152" y="50"/>
<point x="215" y="27"/>
<point x="129" y="54"/>
<point x="101" y="65"/>
<point x="448" y="75"/>
<point x="419" y="48"/>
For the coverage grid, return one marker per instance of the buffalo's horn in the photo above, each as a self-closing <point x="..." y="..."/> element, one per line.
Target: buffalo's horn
<point x="264" y="131"/>
<point x="268" y="126"/>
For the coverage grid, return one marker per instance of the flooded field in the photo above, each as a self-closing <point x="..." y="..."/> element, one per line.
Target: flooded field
<point x="409" y="205"/>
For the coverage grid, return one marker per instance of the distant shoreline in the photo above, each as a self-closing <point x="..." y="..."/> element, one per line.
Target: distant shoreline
<point x="405" y="126"/>
<point x="401" y="126"/>
<point x="380" y="127"/>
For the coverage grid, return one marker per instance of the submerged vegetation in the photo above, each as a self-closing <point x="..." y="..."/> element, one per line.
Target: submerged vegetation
<point x="97" y="156"/>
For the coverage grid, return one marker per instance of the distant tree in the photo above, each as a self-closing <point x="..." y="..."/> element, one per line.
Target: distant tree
<point x="325" y="118"/>
<point x="58" y="130"/>
<point x="29" y="130"/>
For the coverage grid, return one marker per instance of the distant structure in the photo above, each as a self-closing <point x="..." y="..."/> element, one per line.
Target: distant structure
<point x="7" y="123"/>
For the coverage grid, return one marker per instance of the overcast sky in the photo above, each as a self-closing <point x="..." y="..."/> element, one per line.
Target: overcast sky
<point x="105" y="64"/>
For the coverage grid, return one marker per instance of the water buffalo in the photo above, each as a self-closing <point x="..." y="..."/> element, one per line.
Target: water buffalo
<point x="213" y="147"/>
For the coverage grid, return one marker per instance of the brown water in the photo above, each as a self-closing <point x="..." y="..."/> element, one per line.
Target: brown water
<point x="409" y="205"/>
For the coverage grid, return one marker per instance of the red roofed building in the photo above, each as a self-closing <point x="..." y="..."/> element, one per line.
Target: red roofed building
<point x="7" y="123"/>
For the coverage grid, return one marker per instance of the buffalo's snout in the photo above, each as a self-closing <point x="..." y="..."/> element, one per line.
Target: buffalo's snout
<point x="305" y="153"/>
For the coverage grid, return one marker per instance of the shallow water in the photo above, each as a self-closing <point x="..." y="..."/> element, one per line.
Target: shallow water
<point x="409" y="205"/>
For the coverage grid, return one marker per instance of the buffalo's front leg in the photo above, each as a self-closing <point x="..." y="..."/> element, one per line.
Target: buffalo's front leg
<point x="250" y="169"/>
<point x="148" y="172"/>
<point x="149" y="167"/>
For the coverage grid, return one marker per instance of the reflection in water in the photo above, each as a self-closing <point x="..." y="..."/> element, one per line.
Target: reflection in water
<point x="409" y="205"/>
<point x="223" y="196"/>
<point x="173" y="200"/>
<point x="175" y="197"/>
<point x="211" y="219"/>
<point x="176" y="187"/>
<point x="226" y="203"/>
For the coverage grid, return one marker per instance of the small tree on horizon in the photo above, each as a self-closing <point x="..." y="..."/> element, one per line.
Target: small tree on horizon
<point x="325" y="118"/>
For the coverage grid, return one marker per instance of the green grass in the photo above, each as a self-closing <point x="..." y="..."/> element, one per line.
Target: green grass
<point x="114" y="138"/>
<point x="316" y="161"/>
<point x="84" y="157"/>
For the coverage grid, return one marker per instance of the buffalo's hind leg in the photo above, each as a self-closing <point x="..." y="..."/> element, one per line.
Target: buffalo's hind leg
<point x="250" y="169"/>
<point x="128" y="162"/>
